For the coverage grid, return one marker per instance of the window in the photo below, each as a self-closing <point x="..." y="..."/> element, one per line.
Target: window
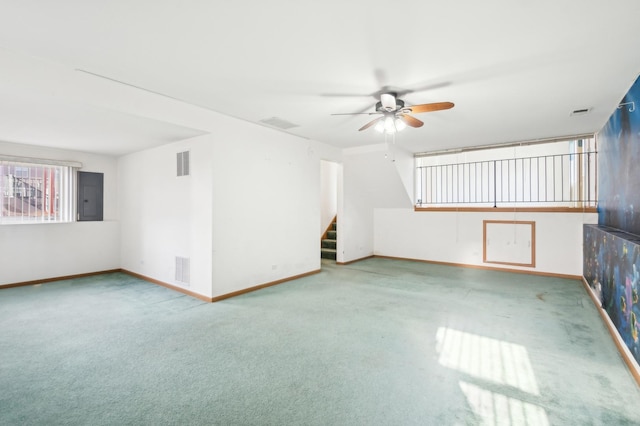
<point x="34" y="191"/>
<point x="555" y="174"/>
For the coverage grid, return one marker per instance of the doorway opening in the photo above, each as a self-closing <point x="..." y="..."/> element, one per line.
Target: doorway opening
<point x="329" y="185"/>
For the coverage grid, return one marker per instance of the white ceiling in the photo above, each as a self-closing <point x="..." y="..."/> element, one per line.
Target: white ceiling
<point x="515" y="70"/>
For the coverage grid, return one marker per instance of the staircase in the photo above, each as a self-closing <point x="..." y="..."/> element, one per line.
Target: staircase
<point x="328" y="242"/>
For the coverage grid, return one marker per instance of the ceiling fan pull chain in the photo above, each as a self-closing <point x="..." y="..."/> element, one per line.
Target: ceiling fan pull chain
<point x="386" y="142"/>
<point x="393" y="149"/>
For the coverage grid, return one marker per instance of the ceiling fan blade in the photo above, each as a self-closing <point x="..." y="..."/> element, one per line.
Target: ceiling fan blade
<point x="436" y="106"/>
<point x="356" y="113"/>
<point x="369" y="124"/>
<point x="345" y="95"/>
<point x="410" y="121"/>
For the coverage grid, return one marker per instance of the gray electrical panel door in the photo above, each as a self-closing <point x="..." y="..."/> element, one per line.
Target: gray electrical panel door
<point x="90" y="195"/>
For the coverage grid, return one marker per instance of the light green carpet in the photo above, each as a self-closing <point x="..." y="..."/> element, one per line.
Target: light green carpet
<point x="378" y="342"/>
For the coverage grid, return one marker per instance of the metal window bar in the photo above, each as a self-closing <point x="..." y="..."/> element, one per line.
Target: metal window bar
<point x="560" y="180"/>
<point x="32" y="193"/>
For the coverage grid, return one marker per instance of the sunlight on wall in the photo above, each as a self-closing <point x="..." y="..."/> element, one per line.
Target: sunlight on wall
<point x="494" y="360"/>
<point x="497" y="409"/>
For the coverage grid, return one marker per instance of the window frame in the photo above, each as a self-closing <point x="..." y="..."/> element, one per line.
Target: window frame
<point x="52" y="190"/>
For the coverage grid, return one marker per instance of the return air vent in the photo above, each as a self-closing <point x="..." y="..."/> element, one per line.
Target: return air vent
<point x="183" y="163"/>
<point x="279" y="123"/>
<point x="183" y="273"/>
<point x="581" y="111"/>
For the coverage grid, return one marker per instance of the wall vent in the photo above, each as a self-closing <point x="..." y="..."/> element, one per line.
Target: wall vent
<point x="279" y="123"/>
<point x="183" y="273"/>
<point x="183" y="163"/>
<point x="581" y="111"/>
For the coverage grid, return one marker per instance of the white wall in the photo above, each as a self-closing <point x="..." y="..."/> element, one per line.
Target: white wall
<point x="355" y="219"/>
<point x="266" y="207"/>
<point x="39" y="251"/>
<point x="248" y="215"/>
<point x="328" y="193"/>
<point x="370" y="179"/>
<point x="405" y="167"/>
<point x="164" y="216"/>
<point x="456" y="237"/>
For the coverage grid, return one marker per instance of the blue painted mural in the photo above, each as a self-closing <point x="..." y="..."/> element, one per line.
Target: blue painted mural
<point x="612" y="269"/>
<point x="619" y="166"/>
<point x="611" y="261"/>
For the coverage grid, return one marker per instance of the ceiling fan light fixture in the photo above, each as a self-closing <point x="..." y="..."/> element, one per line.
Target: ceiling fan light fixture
<point x="389" y="125"/>
<point x="396" y="116"/>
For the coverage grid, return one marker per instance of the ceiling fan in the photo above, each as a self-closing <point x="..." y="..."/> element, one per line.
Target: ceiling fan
<point x="395" y="115"/>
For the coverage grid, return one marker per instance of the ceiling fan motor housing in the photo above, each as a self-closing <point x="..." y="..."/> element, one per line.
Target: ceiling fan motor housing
<point x="399" y="105"/>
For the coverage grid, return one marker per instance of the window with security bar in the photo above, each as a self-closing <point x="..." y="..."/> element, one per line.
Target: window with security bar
<point x="35" y="193"/>
<point x="561" y="173"/>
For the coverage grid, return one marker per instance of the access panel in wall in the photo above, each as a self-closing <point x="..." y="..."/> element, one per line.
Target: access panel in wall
<point x="90" y="196"/>
<point x="509" y="242"/>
